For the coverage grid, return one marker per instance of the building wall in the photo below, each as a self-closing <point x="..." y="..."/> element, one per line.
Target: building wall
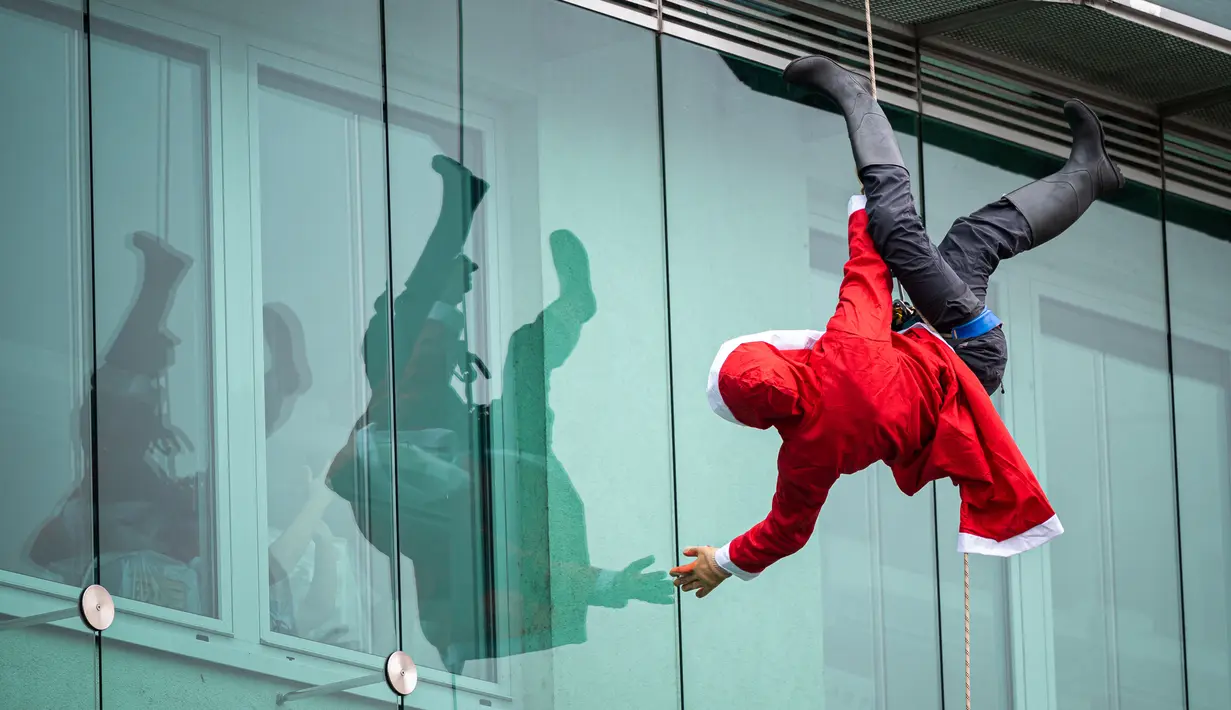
<point x="649" y="198"/>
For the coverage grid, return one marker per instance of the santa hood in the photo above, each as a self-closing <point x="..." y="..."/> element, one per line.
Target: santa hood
<point x="755" y="379"/>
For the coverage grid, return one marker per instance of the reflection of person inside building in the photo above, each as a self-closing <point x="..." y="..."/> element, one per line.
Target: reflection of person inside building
<point x="304" y="569"/>
<point x="148" y="517"/>
<point x="308" y="570"/>
<point x="458" y="461"/>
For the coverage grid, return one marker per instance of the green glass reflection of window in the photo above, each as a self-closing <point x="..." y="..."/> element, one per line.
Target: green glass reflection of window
<point x="262" y="183"/>
<point x="527" y="519"/>
<point x="47" y="545"/>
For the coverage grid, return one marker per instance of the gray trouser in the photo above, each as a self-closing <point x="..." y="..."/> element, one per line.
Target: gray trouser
<point x="947" y="285"/>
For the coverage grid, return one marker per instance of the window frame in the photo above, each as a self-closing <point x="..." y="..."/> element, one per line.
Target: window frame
<point x="481" y="127"/>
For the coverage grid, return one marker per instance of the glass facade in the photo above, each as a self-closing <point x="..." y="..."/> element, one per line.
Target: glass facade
<point x="338" y="329"/>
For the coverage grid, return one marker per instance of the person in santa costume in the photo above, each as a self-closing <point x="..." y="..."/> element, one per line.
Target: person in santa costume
<point x="860" y="391"/>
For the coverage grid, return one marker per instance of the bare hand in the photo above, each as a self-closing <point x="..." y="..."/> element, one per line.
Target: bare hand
<point x="704" y="575"/>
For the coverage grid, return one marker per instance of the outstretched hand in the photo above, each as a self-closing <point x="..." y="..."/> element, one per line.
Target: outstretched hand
<point x="633" y="582"/>
<point x="703" y="576"/>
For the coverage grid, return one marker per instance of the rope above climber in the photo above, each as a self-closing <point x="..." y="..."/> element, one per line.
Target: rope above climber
<point x="863" y="391"/>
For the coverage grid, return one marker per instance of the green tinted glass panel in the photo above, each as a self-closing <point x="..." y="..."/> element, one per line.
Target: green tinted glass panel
<point x="240" y="185"/>
<point x="47" y="545"/>
<point x="530" y="371"/>
<point x="1198" y="254"/>
<point x="1093" y="618"/>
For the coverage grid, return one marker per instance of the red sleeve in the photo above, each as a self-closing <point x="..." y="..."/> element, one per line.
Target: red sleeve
<point x="865" y="299"/>
<point x="792" y="517"/>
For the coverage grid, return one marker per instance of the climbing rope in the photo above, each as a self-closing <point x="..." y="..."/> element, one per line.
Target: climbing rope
<point x="867" y="17"/>
<point x="966" y="589"/>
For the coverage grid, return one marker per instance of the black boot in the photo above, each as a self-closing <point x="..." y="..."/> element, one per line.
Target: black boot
<point x="1053" y="204"/>
<point x="872" y="138"/>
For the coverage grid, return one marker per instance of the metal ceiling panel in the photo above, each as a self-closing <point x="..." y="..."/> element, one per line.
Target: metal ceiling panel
<point x="1095" y="47"/>
<point x="913" y="12"/>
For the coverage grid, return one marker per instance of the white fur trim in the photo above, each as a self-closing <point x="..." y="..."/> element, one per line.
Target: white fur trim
<point x="781" y="339"/>
<point x="1034" y="537"/>
<point x="723" y="558"/>
<point x="932" y="331"/>
<point x="856" y="203"/>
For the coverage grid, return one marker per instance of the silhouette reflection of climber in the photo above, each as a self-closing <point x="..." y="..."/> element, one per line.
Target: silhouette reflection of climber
<point x="558" y="583"/>
<point x="148" y="519"/>
<point x="434" y="424"/>
<point x="444" y="456"/>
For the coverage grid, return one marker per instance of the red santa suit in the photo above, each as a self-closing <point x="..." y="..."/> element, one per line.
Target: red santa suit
<point x="859" y="393"/>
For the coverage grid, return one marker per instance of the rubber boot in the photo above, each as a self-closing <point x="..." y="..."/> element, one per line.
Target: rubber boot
<point x="872" y="138"/>
<point x="1053" y="204"/>
<point x="463" y="192"/>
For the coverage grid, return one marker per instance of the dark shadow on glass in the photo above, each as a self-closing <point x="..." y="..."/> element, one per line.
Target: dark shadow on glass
<point x="150" y="544"/>
<point x="458" y="461"/>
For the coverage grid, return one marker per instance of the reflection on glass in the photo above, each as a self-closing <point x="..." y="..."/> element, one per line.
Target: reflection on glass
<point x="154" y="384"/>
<point x="304" y="554"/>
<point x="322" y="240"/>
<point x="45" y="357"/>
<point x="1198" y="260"/>
<point x="445" y="454"/>
<point x="422" y="356"/>
<point x="217" y="130"/>
<point x="150" y="515"/>
<point x="558" y="582"/>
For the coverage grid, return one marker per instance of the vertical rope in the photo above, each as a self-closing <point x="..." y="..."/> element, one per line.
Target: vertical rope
<point x="867" y="16"/>
<point x="966" y="587"/>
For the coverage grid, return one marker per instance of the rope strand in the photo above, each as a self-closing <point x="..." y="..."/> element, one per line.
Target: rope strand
<point x="867" y="16"/>
<point x="966" y="585"/>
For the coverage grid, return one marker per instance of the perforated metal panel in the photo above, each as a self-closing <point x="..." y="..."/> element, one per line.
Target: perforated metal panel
<point x="785" y="33"/>
<point x="1219" y="115"/>
<point x="910" y="12"/>
<point x="1097" y="48"/>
